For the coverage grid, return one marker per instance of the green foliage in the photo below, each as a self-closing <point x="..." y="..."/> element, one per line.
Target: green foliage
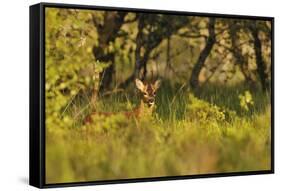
<point x="70" y="65"/>
<point x="210" y="113"/>
<point x="246" y="100"/>
<point x="201" y="110"/>
<point x="109" y="123"/>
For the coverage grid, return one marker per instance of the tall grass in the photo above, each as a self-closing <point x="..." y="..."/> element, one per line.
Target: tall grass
<point x="207" y="133"/>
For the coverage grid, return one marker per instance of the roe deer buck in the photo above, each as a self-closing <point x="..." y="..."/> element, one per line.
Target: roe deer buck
<point x="145" y="107"/>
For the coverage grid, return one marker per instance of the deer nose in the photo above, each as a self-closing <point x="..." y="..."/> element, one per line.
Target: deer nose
<point x="151" y="100"/>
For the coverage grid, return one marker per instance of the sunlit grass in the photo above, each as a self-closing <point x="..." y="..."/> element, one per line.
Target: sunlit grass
<point x="187" y="135"/>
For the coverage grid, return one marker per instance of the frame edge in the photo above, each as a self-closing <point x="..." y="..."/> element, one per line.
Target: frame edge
<point x="37" y="131"/>
<point x="35" y="146"/>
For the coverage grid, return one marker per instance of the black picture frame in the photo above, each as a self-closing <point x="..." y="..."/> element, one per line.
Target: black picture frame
<point x="37" y="96"/>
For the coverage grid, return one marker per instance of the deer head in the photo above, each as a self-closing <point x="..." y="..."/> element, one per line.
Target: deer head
<point x="148" y="91"/>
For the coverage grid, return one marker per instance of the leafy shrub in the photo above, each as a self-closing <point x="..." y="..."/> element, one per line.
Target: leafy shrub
<point x="70" y="64"/>
<point x="203" y="111"/>
<point x="105" y="123"/>
<point x="246" y="101"/>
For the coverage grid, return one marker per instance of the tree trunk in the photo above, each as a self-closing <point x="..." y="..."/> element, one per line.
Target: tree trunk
<point x="106" y="77"/>
<point x="108" y="32"/>
<point x="139" y="61"/>
<point x="139" y="42"/>
<point x="237" y="53"/>
<point x="168" y="66"/>
<point x="194" y="81"/>
<point x="259" y="59"/>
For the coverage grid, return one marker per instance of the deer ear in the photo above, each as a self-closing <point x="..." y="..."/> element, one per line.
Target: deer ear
<point x="139" y="84"/>
<point x="157" y="84"/>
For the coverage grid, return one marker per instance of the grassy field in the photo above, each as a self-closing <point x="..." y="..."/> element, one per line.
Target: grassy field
<point x="222" y="129"/>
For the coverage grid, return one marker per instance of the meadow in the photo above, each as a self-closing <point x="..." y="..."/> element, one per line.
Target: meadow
<point x="213" y="108"/>
<point x="224" y="130"/>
